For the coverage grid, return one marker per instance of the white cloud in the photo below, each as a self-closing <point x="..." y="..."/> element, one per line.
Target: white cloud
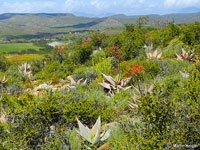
<point x="96" y="7"/>
<point x="181" y="3"/>
<point x="101" y="6"/>
<point x="27" y="7"/>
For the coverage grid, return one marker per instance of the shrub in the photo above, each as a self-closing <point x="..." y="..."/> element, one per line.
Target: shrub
<point x="4" y="64"/>
<point x="173" y="48"/>
<point x="84" y="72"/>
<point x="104" y="66"/>
<point x="56" y="70"/>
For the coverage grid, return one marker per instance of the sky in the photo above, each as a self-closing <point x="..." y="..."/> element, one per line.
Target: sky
<point x="100" y="8"/>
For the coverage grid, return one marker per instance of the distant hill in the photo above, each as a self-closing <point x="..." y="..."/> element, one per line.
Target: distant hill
<point x="14" y="24"/>
<point x="178" y="18"/>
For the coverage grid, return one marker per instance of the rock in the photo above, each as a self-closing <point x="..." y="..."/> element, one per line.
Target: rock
<point x="62" y="81"/>
<point x="44" y="87"/>
<point x="35" y="93"/>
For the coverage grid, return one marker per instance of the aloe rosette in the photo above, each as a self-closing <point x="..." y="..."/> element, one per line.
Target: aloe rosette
<point x="93" y="135"/>
<point x="154" y="55"/>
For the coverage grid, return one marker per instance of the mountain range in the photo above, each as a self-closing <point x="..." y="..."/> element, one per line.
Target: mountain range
<point x="13" y="24"/>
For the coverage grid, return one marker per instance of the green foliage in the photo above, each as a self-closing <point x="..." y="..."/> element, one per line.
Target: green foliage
<point x="56" y="69"/>
<point x="37" y="65"/>
<point x="190" y="34"/>
<point x="80" y="105"/>
<point x="4" y="64"/>
<point x="97" y="39"/>
<point x="97" y="57"/>
<point x="132" y="42"/>
<point x="34" y="116"/>
<point x="173" y="48"/>
<point x="84" y="72"/>
<point x="152" y="68"/>
<point x="14" y="75"/>
<point x="104" y="67"/>
<point x="17" y="47"/>
<point x="123" y="143"/>
<point x="81" y="53"/>
<point x="129" y="42"/>
<point x="165" y="118"/>
<point x="172" y="67"/>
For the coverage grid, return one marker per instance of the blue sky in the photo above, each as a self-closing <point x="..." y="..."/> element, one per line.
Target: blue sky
<point x="100" y="7"/>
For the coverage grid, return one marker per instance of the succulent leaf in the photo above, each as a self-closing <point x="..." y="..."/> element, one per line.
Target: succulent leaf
<point x="105" y="85"/>
<point x="84" y="131"/>
<point x="184" y="75"/>
<point x="159" y="56"/>
<point x="106" y="135"/>
<point x="92" y="135"/>
<point x="154" y="55"/>
<point x="132" y="105"/>
<point x="117" y="78"/>
<point x="109" y="78"/>
<point x="72" y="80"/>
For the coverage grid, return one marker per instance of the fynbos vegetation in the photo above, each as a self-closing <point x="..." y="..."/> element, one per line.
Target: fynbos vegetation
<point x="104" y="91"/>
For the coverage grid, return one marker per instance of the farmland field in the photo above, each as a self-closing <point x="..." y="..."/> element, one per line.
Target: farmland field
<point x="17" y="47"/>
<point x="23" y="58"/>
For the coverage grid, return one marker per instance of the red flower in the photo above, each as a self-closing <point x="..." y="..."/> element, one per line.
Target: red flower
<point x="146" y="35"/>
<point x="60" y="49"/>
<point x="116" y="52"/>
<point x="57" y="49"/>
<point x="126" y="73"/>
<point x="134" y="70"/>
<point x="85" y="42"/>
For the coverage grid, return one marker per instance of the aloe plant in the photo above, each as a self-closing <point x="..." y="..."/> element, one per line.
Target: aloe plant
<point x="185" y="55"/>
<point x="3" y="118"/>
<point x="25" y="69"/>
<point x="3" y="80"/>
<point x="2" y="83"/>
<point x="114" y="84"/>
<point x="142" y="92"/>
<point x="132" y="105"/>
<point x="72" y="83"/>
<point x="154" y="55"/>
<point x="93" y="135"/>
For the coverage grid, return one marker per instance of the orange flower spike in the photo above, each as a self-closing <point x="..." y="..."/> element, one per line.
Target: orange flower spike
<point x="126" y="73"/>
<point x="135" y="69"/>
<point x="146" y="35"/>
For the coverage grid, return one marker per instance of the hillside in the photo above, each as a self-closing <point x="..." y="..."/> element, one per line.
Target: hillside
<point x="32" y="24"/>
<point x="136" y="90"/>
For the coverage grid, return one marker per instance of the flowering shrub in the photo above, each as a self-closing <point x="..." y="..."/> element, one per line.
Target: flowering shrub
<point x="134" y="70"/>
<point x="85" y="42"/>
<point x="59" y="51"/>
<point x="116" y="53"/>
<point x="146" y="35"/>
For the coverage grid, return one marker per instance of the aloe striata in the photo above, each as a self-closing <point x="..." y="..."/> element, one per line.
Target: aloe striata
<point x="93" y="135"/>
<point x="185" y="55"/>
<point x="25" y="69"/>
<point x="113" y="84"/>
<point x="154" y="55"/>
<point x="3" y="80"/>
